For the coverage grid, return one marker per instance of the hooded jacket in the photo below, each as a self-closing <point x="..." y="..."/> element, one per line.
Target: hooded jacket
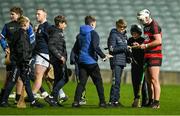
<point x="86" y="46"/>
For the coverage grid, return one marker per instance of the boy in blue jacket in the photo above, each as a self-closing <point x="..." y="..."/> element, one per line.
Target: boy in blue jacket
<point x="87" y="48"/>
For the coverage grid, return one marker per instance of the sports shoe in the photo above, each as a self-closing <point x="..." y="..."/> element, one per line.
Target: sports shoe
<point x="13" y="95"/>
<point x="36" y="104"/>
<point x="117" y="104"/>
<point x="44" y="94"/>
<point x="82" y="101"/>
<point x="4" y="104"/>
<point x="37" y="96"/>
<point x="155" y="105"/>
<point x="63" y="99"/>
<point x="102" y="105"/>
<point x="50" y="100"/>
<point x="110" y="104"/>
<point x="76" y="104"/>
<point x="136" y="103"/>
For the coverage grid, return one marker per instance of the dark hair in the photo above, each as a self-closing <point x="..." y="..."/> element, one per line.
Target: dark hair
<point x="17" y="10"/>
<point x="136" y="28"/>
<point x="89" y="19"/>
<point x="60" y="19"/>
<point x="121" y="23"/>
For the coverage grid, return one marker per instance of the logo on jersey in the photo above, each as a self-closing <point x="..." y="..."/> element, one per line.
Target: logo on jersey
<point x="147" y="29"/>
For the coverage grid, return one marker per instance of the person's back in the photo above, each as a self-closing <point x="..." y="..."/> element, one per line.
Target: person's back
<point x="87" y="45"/>
<point x="86" y="50"/>
<point x="21" y="47"/>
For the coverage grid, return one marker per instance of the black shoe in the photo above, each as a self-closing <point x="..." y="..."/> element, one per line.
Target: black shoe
<point x="136" y="103"/>
<point x="76" y="104"/>
<point x="155" y="105"/>
<point x="149" y="104"/>
<point x="4" y="104"/>
<point x="36" y="104"/>
<point x="110" y="104"/>
<point x="102" y="105"/>
<point x="63" y="99"/>
<point x="144" y="103"/>
<point x="50" y="101"/>
<point x="117" y="104"/>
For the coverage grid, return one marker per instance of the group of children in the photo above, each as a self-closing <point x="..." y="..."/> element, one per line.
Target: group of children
<point x="48" y="46"/>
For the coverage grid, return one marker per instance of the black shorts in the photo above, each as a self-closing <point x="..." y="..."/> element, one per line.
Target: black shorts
<point x="153" y="61"/>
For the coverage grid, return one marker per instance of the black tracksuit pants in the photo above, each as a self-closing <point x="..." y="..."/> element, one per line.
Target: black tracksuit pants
<point x="23" y="72"/>
<point x="86" y="70"/>
<point x="136" y="72"/>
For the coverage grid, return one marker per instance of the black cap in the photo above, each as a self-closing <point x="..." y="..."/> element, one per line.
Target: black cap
<point x="136" y="28"/>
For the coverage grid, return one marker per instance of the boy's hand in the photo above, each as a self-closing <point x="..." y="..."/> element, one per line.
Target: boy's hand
<point x="107" y="57"/>
<point x="7" y="51"/>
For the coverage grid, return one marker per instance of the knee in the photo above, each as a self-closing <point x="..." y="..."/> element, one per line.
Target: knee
<point x="155" y="80"/>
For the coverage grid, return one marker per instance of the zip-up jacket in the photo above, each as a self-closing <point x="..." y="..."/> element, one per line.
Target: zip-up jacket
<point x="56" y="44"/>
<point x="87" y="45"/>
<point x="117" y="44"/>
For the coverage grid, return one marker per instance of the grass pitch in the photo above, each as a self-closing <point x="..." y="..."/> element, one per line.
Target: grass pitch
<point x="170" y="103"/>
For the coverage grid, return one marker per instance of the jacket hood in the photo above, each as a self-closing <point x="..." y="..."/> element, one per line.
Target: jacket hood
<point x="85" y="29"/>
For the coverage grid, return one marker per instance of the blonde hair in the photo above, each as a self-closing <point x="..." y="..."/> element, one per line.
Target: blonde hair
<point x="23" y="20"/>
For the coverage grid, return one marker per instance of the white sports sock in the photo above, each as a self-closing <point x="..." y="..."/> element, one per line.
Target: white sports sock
<point x="61" y="93"/>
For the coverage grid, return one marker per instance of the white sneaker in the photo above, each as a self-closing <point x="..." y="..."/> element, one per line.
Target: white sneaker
<point x="13" y="95"/>
<point x="44" y="94"/>
<point x="82" y="102"/>
<point x="37" y="95"/>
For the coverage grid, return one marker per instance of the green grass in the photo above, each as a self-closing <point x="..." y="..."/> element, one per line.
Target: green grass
<point x="170" y="103"/>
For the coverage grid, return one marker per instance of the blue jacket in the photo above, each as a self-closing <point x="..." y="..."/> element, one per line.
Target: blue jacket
<point x="42" y="38"/>
<point x="86" y="46"/>
<point x="117" y="45"/>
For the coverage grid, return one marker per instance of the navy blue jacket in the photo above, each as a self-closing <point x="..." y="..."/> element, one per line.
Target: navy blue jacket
<point x="86" y="46"/>
<point x="42" y="38"/>
<point x="117" y="45"/>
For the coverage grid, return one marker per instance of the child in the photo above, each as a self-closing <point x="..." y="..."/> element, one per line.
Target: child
<point x="87" y="48"/>
<point x="21" y="53"/>
<point x="117" y="45"/>
<point x="58" y="57"/>
<point x="137" y="66"/>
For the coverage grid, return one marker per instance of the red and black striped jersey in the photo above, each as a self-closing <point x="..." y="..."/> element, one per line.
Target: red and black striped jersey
<point x="149" y="31"/>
